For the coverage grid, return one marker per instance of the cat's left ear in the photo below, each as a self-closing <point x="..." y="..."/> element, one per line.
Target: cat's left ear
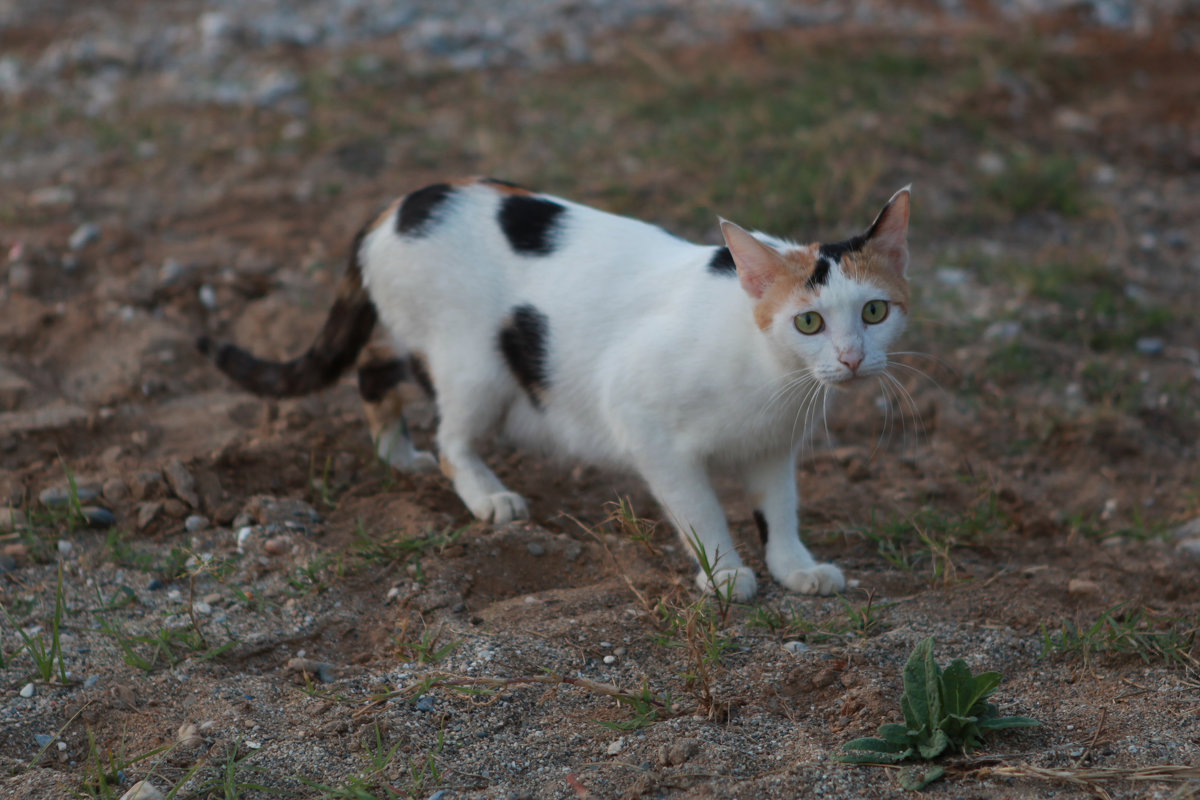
<point x="758" y="264"/>
<point x="888" y="234"/>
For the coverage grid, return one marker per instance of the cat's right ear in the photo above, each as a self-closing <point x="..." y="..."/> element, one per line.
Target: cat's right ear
<point x="758" y="265"/>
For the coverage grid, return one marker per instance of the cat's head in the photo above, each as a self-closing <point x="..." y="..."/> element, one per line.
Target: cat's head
<point x="834" y="307"/>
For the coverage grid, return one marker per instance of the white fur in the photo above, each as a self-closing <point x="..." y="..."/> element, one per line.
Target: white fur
<point x="655" y="364"/>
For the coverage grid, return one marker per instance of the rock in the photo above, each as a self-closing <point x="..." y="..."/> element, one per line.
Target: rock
<point x="535" y="549"/>
<point x="1082" y="587"/>
<point x="58" y="496"/>
<point x="13" y="389"/>
<point x="98" y="517"/>
<point x="28" y="690"/>
<point x="145" y="484"/>
<point x="52" y="418"/>
<point x="175" y="509"/>
<point x="325" y="672"/>
<point x="426" y="704"/>
<point x="189" y="735"/>
<point x="1150" y="346"/>
<point x="146" y="513"/>
<point x="181" y="482"/>
<point x="114" y="490"/>
<point x="43" y="739"/>
<point x="202" y="608"/>
<point x="84" y="235"/>
<point x="12" y="519"/>
<point x="143" y="790"/>
<point x="1188" y="530"/>
<point x="275" y="546"/>
<point x="195" y="523"/>
<point x="52" y="196"/>
<point x="610" y="660"/>
<point x="208" y="297"/>
<point x="1190" y="548"/>
<point x="796" y="647"/>
<point x="615" y="747"/>
<point x="64" y="546"/>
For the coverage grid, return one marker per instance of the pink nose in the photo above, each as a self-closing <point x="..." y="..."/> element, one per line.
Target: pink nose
<point x="851" y="360"/>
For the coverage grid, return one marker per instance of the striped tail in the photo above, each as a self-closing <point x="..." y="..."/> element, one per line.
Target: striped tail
<point x="346" y="331"/>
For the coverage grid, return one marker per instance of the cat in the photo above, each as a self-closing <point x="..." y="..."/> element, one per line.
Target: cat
<point x="607" y="339"/>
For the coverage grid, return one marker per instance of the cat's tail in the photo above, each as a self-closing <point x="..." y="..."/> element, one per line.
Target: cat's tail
<point x="346" y="331"/>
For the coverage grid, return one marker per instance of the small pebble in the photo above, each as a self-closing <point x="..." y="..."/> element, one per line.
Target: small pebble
<point x="275" y="546"/>
<point x="195" y="523"/>
<point x="535" y="549"/>
<point x="610" y="660"/>
<point x="84" y="235"/>
<point x="98" y="517"/>
<point x="189" y="735"/>
<point x="65" y="546"/>
<point x="796" y="647"/>
<point x="208" y="297"/>
<point x="12" y="519"/>
<point x="143" y="790"/>
<point x="1150" y="346"/>
<point x="426" y="704"/>
<point x="616" y="747"/>
<point x="43" y="739"/>
<point x="1081" y="587"/>
<point x="61" y="495"/>
<point x="201" y="607"/>
<point x="28" y="690"/>
<point x="90" y="681"/>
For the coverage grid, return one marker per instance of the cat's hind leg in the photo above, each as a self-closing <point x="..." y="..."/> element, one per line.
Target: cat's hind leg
<point x="470" y="401"/>
<point x="771" y="484"/>
<point x="380" y="386"/>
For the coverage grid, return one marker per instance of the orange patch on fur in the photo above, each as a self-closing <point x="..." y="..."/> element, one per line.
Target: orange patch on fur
<point x="446" y="467"/>
<point x="389" y="213"/>
<point x="383" y="414"/>
<point x="868" y="266"/>
<point x="799" y="264"/>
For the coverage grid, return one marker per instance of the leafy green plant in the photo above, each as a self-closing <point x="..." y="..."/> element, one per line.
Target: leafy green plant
<point x="944" y="711"/>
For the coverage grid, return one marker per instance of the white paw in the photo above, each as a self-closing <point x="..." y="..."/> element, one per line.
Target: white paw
<point x="821" y="579"/>
<point x="414" y="461"/>
<point x="739" y="584"/>
<point x="501" y="507"/>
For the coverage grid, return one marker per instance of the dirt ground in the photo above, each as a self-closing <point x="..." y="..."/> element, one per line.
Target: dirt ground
<point x="250" y="605"/>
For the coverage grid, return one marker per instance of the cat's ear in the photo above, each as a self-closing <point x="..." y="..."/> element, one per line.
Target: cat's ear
<point x="888" y="234"/>
<point x="758" y="264"/>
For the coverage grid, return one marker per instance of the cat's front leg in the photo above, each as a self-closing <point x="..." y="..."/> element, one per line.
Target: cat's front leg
<point x="686" y="494"/>
<point x="771" y="484"/>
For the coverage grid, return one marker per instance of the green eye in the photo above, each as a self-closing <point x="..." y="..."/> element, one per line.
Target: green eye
<point x="809" y="322"/>
<point x="875" y="312"/>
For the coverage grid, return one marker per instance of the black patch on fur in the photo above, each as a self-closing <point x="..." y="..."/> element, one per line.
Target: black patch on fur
<point x="417" y="213"/>
<point x="761" y="522"/>
<point x="377" y="379"/>
<point x="721" y="262"/>
<point x="530" y="224"/>
<point x="420" y="374"/>
<point x="523" y="342"/>
<point x="346" y="332"/>
<point x="501" y="182"/>
<point x="835" y="251"/>
<point x="820" y="275"/>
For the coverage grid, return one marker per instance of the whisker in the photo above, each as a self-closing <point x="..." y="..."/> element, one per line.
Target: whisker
<point x="912" y="405"/>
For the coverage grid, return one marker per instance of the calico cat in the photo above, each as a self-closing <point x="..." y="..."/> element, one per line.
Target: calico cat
<point x="607" y="339"/>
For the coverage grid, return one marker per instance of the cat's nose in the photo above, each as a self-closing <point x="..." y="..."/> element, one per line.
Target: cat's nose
<point x="851" y="360"/>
